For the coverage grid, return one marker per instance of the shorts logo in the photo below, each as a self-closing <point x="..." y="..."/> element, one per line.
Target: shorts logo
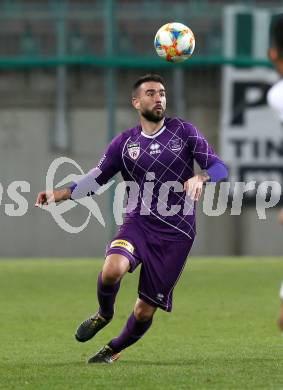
<point x="123" y="244"/>
<point x="159" y="297"/>
<point x="154" y="149"/>
<point x="134" y="150"/>
<point x="175" y="144"/>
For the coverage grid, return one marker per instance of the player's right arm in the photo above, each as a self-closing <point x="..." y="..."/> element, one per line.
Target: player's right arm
<point x="88" y="185"/>
<point x="46" y="197"/>
<point x="207" y="159"/>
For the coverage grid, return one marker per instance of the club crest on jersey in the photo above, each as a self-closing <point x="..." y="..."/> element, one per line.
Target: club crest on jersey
<point x="175" y="144"/>
<point x="134" y="150"/>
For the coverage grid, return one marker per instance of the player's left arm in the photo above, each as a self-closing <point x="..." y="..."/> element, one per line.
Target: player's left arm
<point x="215" y="169"/>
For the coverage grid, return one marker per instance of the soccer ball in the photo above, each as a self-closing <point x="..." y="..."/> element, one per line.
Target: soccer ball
<point x="174" y="42"/>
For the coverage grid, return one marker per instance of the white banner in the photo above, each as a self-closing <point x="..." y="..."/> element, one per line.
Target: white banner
<point x="251" y="133"/>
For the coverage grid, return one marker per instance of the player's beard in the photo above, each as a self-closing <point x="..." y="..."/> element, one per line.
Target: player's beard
<point x="152" y="116"/>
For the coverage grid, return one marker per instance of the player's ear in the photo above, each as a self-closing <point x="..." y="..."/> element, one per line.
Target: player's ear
<point x="136" y="102"/>
<point x="272" y="54"/>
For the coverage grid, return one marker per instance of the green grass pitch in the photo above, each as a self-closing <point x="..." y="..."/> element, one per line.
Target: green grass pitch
<point x="222" y="333"/>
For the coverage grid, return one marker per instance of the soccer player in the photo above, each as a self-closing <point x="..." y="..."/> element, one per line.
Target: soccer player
<point x="275" y="100"/>
<point x="159" y="227"/>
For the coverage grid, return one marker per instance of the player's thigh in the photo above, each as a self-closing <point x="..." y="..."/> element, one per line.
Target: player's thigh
<point x="143" y="311"/>
<point x="115" y="267"/>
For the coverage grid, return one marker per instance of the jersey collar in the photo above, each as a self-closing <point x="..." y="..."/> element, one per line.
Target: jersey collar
<point x="155" y="134"/>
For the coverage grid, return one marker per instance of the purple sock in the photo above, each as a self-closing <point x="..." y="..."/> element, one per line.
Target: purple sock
<point x="131" y="333"/>
<point x="106" y="294"/>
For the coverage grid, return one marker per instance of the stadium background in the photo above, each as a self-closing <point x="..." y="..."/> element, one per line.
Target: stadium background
<point x="66" y="71"/>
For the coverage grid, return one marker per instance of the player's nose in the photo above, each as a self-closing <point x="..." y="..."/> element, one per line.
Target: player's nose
<point x="157" y="99"/>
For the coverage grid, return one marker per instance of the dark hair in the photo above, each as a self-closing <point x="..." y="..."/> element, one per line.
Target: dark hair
<point x="145" y="79"/>
<point x="276" y="33"/>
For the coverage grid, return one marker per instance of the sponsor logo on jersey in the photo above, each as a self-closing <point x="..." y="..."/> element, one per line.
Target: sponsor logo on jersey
<point x="154" y="149"/>
<point x="134" y="150"/>
<point x="101" y="160"/>
<point x="175" y="144"/>
<point x="123" y="244"/>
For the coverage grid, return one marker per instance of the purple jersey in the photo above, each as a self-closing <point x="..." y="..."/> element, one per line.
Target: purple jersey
<point x="159" y="164"/>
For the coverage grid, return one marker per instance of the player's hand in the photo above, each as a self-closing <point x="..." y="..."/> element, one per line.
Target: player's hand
<point x="47" y="197"/>
<point x="194" y="186"/>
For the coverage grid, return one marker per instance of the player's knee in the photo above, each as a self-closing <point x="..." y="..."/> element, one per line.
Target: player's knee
<point x="113" y="271"/>
<point x="111" y="276"/>
<point x="143" y="312"/>
<point x="142" y="315"/>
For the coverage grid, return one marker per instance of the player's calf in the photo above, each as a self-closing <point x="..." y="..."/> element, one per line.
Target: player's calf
<point x="108" y="285"/>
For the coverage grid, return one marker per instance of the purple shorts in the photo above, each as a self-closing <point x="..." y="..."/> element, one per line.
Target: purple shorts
<point x="162" y="261"/>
